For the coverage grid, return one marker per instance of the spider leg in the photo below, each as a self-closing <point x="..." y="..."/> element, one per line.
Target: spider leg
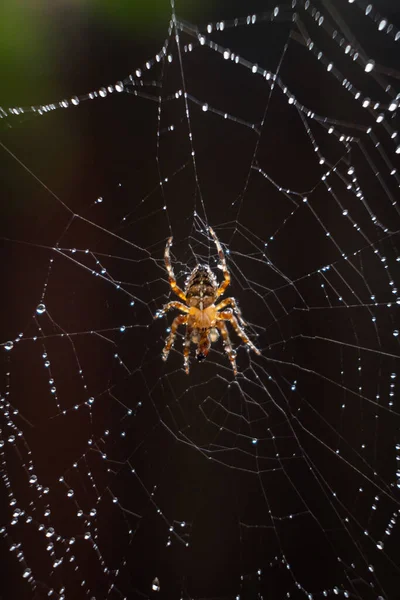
<point x="227" y="276"/>
<point x="167" y="307"/>
<point x="227" y="315"/>
<point x="172" y="281"/>
<point x="169" y="342"/>
<point x="227" y="344"/>
<point x="186" y="348"/>
<point x="232" y="302"/>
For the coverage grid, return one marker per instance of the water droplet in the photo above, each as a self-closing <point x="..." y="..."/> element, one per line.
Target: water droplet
<point x="8" y="346"/>
<point x="40" y="309"/>
<point x="370" y="66"/>
<point x="382" y="25"/>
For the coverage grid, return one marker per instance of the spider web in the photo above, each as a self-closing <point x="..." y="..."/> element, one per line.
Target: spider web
<point x="123" y="476"/>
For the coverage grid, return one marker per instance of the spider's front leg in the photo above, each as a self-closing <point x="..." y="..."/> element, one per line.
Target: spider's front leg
<point x="169" y="342"/>
<point x="227" y="315"/>
<point x="221" y="255"/>
<point x="171" y="275"/>
<point x="167" y="307"/>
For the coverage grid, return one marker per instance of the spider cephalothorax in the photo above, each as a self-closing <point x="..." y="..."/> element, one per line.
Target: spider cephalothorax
<point x="204" y="319"/>
<point x="201" y="287"/>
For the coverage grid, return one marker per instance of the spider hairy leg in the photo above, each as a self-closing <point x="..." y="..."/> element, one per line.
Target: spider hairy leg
<point x="179" y="320"/>
<point x="227" y="344"/>
<point x="232" y="302"/>
<point x="221" y="255"/>
<point x="186" y="348"/>
<point x="174" y="304"/>
<point x="228" y="315"/>
<point x="172" y="281"/>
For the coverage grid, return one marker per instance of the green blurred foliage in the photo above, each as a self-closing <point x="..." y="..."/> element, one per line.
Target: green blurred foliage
<point x="33" y="33"/>
<point x="144" y="18"/>
<point x="24" y="49"/>
<point x="41" y="42"/>
<point x="148" y="18"/>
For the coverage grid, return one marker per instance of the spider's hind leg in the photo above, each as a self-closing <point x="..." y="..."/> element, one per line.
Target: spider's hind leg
<point x="227" y="344"/>
<point x="186" y="348"/>
<point x="179" y="320"/>
<point x="232" y="302"/>
<point x="227" y="315"/>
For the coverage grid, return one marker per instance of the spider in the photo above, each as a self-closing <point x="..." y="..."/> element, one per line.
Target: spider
<point x="203" y="318"/>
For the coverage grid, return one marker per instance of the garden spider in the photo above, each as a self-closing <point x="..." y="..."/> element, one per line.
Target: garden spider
<point x="202" y="317"/>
